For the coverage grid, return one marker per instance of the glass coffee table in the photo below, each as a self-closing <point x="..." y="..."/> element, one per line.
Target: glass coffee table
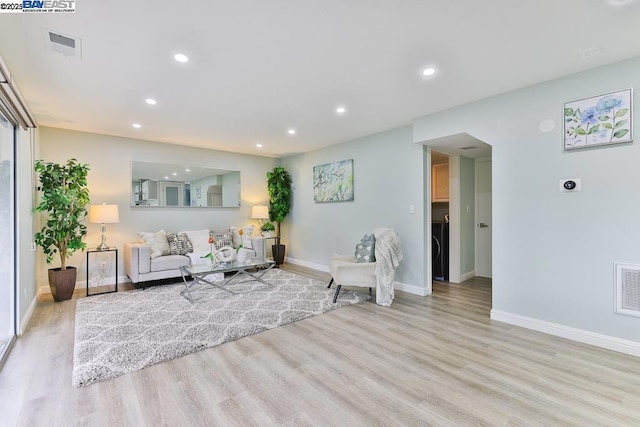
<point x="198" y="273"/>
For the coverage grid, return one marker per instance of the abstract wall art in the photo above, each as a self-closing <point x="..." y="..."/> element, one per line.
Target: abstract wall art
<point x="333" y="182"/>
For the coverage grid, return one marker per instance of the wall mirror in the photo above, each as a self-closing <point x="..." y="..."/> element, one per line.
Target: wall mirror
<point x="166" y="185"/>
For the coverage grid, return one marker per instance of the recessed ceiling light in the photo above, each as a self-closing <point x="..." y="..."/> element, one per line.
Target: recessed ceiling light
<point x="137" y="125"/>
<point x="150" y="101"/>
<point x="589" y="52"/>
<point x="259" y="145"/>
<point x="181" y="57"/>
<point x="427" y="71"/>
<point x="174" y="174"/>
<point x="166" y="177"/>
<point x="291" y="131"/>
<point x="187" y="170"/>
<point x="341" y="109"/>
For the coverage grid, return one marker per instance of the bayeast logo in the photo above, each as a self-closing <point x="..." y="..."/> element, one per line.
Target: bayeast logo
<point x="48" y="6"/>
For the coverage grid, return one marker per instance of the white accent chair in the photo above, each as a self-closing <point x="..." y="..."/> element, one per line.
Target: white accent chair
<point x="346" y="272"/>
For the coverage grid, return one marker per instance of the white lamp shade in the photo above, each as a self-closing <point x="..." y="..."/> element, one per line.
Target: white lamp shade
<point x="103" y="214"/>
<point x="260" y="212"/>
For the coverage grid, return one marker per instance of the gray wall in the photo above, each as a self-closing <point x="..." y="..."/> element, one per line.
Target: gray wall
<point x="388" y="177"/>
<point x="553" y="252"/>
<point x="110" y="181"/>
<point x="467" y="218"/>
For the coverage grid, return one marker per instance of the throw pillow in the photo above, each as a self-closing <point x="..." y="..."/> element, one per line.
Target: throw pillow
<point x="223" y="239"/>
<point x="199" y="240"/>
<point x="157" y="242"/>
<point x="179" y="243"/>
<point x="245" y="239"/>
<point x="365" y="249"/>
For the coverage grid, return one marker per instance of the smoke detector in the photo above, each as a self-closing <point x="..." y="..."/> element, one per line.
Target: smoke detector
<point x="63" y="44"/>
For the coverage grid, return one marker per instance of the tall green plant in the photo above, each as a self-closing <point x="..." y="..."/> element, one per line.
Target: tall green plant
<point x="65" y="196"/>
<point x="279" y="187"/>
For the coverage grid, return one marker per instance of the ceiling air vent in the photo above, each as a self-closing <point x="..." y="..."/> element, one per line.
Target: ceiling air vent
<point x="470" y="147"/>
<point x="63" y="44"/>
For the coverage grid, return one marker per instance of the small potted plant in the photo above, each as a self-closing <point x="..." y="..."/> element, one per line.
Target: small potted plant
<point x="267" y="229"/>
<point x="64" y="198"/>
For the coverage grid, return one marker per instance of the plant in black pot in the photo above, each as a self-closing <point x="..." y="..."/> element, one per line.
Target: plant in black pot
<point x="65" y="196"/>
<point x="279" y="188"/>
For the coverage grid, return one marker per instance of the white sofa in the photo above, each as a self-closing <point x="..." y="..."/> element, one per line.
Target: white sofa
<point x="141" y="267"/>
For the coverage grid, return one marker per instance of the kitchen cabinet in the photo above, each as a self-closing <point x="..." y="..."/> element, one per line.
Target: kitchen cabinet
<point x="440" y="183"/>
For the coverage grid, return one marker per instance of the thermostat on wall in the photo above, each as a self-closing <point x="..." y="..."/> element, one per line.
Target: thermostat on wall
<point x="570" y="184"/>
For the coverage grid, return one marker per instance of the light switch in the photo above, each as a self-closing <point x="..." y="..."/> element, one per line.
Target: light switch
<point x="412" y="209"/>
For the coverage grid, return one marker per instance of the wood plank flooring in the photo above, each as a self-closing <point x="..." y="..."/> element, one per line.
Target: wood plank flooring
<point x="435" y="360"/>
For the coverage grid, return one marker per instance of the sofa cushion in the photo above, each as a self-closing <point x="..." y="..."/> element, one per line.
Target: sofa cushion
<point x="169" y="262"/>
<point x="179" y="243"/>
<point x="157" y="242"/>
<point x="223" y="239"/>
<point x="245" y="238"/>
<point x="199" y="240"/>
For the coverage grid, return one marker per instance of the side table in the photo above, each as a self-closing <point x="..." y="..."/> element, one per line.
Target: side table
<point x="100" y="266"/>
<point x="266" y="245"/>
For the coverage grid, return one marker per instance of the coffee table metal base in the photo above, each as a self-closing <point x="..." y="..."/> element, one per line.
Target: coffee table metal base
<point x="200" y="278"/>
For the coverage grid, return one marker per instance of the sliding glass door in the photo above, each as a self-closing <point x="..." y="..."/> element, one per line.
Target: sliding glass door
<point x="7" y="235"/>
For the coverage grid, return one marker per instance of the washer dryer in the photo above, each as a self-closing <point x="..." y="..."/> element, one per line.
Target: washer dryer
<point x="440" y="250"/>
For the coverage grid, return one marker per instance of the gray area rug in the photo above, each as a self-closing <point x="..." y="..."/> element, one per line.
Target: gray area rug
<point x="126" y="331"/>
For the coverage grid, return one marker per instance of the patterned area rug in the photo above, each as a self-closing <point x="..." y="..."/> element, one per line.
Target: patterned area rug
<point x="126" y="331"/>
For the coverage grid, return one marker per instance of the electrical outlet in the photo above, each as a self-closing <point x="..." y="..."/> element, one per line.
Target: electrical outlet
<point x="33" y="246"/>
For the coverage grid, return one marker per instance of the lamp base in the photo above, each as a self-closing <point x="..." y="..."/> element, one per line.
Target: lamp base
<point x="103" y="246"/>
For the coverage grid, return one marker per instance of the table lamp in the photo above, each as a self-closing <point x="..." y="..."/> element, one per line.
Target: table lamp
<point x="260" y="212"/>
<point x="103" y="214"/>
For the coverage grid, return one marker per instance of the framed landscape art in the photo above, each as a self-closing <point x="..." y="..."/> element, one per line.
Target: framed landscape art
<point x="599" y="120"/>
<point x="333" y="182"/>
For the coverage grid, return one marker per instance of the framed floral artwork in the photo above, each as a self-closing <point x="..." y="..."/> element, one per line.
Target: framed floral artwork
<point x="333" y="182"/>
<point x="599" y="120"/>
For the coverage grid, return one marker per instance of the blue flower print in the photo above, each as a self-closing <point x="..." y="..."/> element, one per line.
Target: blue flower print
<point x="590" y="116"/>
<point x="608" y="103"/>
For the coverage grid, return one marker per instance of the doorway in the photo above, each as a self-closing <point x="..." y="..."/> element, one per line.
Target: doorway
<point x="467" y="157"/>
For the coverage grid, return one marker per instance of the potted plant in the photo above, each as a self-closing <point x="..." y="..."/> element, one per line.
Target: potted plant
<point x="65" y="196"/>
<point x="279" y="188"/>
<point x="267" y="229"/>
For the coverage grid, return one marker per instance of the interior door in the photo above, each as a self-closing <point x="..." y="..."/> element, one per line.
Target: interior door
<point x="171" y="193"/>
<point x="484" y="224"/>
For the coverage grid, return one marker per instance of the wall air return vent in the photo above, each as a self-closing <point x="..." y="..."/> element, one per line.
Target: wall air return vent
<point x="627" y="281"/>
<point x="62" y="43"/>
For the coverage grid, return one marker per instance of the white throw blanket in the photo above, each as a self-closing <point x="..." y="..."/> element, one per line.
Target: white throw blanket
<point x="197" y="258"/>
<point x="388" y="256"/>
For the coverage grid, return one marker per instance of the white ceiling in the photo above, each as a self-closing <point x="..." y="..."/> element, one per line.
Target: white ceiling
<point x="261" y="67"/>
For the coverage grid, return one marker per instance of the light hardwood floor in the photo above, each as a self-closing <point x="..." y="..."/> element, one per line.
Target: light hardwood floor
<point x="435" y="360"/>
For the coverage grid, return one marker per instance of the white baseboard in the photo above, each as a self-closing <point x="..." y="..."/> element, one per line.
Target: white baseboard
<point x="319" y="267"/>
<point x="27" y="316"/>
<point x="580" y="335"/>
<point x="469" y="275"/>
<point x="411" y="289"/>
<point x="82" y="284"/>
